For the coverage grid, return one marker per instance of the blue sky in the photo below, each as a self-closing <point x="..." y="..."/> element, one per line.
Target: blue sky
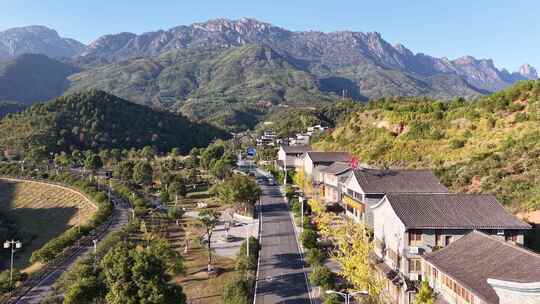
<point x="505" y="30"/>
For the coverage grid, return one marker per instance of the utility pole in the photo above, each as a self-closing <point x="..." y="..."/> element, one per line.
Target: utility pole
<point x="301" y="200"/>
<point x="95" y="252"/>
<point x="285" y="170"/>
<point x="12" y="245"/>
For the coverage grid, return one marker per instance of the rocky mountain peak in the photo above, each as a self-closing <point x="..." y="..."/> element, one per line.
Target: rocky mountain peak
<point x="36" y="39"/>
<point x="528" y="71"/>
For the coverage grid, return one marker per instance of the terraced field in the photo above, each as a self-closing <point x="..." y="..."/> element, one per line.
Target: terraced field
<point x="42" y="212"/>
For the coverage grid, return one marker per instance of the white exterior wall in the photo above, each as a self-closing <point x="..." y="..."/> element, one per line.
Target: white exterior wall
<point x="388" y="228"/>
<point x="281" y="154"/>
<point x="308" y="167"/>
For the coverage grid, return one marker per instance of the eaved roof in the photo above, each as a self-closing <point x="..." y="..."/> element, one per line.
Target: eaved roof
<point x="337" y="168"/>
<point x="476" y="257"/>
<point x="329" y="157"/>
<point x="410" y="181"/>
<point x="452" y="211"/>
<point x="296" y="149"/>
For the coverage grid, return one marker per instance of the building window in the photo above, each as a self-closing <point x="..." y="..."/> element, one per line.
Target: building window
<point x="447" y="240"/>
<point x="511" y="236"/>
<point x="439" y="240"/>
<point x="415" y="237"/>
<point x="415" y="265"/>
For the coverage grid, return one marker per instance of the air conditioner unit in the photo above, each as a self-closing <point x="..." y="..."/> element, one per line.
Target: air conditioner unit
<point x="413" y="276"/>
<point x="413" y="250"/>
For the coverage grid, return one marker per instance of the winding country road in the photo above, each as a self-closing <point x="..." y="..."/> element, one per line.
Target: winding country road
<point x="281" y="276"/>
<point x="45" y="287"/>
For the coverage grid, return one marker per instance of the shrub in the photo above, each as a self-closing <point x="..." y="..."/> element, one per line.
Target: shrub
<point x="322" y="276"/>
<point x="456" y="143"/>
<point x="309" y="238"/>
<point x="315" y="257"/>
<point x="332" y="299"/>
<point x="237" y="291"/>
<point x="243" y="263"/>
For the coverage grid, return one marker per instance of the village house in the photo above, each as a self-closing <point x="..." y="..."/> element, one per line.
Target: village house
<point x="313" y="160"/>
<point x="333" y="178"/>
<point x="409" y="225"/>
<point x="291" y="156"/>
<point x="300" y="139"/>
<point x="483" y="269"/>
<point x="366" y="187"/>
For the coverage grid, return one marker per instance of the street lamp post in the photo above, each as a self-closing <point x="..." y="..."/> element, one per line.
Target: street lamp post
<point x="301" y="200"/>
<point x="12" y="245"/>
<point x="348" y="295"/>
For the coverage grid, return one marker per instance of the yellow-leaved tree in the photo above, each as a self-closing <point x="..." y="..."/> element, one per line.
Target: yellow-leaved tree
<point x="352" y="253"/>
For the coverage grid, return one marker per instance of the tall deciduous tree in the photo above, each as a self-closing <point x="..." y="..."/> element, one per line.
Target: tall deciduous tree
<point x="209" y="219"/>
<point x="143" y="173"/>
<point x="352" y="254"/>
<point x="242" y="191"/>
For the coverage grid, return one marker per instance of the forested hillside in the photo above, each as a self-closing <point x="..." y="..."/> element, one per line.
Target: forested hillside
<point x="32" y="77"/>
<point x="231" y="87"/>
<point x="491" y="145"/>
<point x="10" y="107"/>
<point x="97" y="120"/>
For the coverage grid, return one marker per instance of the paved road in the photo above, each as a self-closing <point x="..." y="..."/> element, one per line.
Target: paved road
<point x="45" y="287"/>
<point x="281" y="277"/>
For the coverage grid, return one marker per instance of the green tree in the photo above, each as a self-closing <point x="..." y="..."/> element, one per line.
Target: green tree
<point x="309" y="238"/>
<point x="236" y="291"/>
<point x="177" y="189"/>
<point x="148" y="153"/>
<point x="315" y="257"/>
<point x="322" y="276"/>
<point x="209" y="219"/>
<point x="83" y="284"/>
<point x="242" y="191"/>
<point x="138" y="276"/>
<point x="123" y="170"/>
<point x="93" y="163"/>
<point x="220" y="169"/>
<point x="77" y="157"/>
<point x="143" y="173"/>
<point x="245" y="263"/>
<point x="37" y="154"/>
<point x="425" y="294"/>
<point x="175" y="214"/>
<point x="175" y="152"/>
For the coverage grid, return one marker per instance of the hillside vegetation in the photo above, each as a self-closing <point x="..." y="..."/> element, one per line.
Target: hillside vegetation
<point x="33" y="77"/>
<point x="231" y="87"/>
<point x="10" y="107"/>
<point x="40" y="212"/>
<point x="97" y="120"/>
<point x="491" y="145"/>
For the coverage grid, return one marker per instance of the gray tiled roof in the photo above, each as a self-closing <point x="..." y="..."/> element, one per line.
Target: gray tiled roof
<point x="337" y="168"/>
<point x="410" y="181"/>
<point x="329" y="157"/>
<point x="452" y="211"/>
<point x="474" y="258"/>
<point x="296" y="149"/>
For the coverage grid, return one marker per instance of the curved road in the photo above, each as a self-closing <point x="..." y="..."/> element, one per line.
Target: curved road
<point x="45" y="287"/>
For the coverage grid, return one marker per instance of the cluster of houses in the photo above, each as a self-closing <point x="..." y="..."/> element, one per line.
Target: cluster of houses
<point x="269" y="137"/>
<point x="466" y="246"/>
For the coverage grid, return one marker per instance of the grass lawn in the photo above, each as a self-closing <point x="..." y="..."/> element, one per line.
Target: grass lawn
<point x="197" y="285"/>
<point x="41" y="212"/>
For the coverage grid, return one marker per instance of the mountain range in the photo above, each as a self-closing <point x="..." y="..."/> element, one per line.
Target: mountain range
<point x="237" y="64"/>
